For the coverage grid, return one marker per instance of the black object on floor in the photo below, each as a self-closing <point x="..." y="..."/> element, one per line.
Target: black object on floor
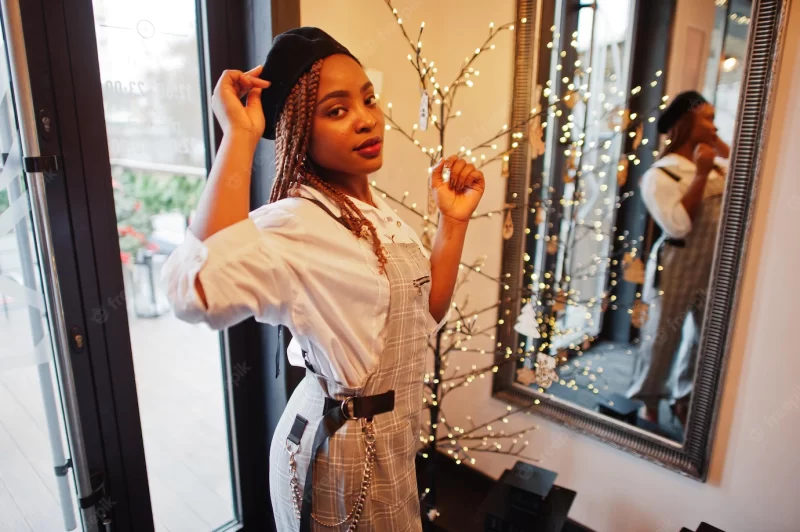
<point x="460" y="492"/>
<point x="525" y="500"/>
<point x="704" y="527"/>
<point x="620" y="407"/>
<point x="528" y="488"/>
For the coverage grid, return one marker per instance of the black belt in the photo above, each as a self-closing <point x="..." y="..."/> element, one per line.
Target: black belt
<point x="674" y="242"/>
<point x="335" y="414"/>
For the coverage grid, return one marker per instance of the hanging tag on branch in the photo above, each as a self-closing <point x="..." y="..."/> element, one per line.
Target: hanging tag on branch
<point x="633" y="269"/>
<point x="540" y="215"/>
<point x="571" y="98"/>
<point x="626" y="119"/>
<point x="640" y="313"/>
<point x="423" y="110"/>
<point x="431" y="204"/>
<point x="637" y="140"/>
<point x="559" y="304"/>
<point x="572" y="161"/>
<point x="426" y="237"/>
<point x="526" y="322"/>
<point x="552" y="246"/>
<point x="508" y="226"/>
<point x="526" y="376"/>
<point x="545" y="370"/>
<point x="535" y="129"/>
<point x="536" y="138"/>
<point x="622" y="172"/>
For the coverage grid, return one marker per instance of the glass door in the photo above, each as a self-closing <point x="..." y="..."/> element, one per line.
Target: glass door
<point x="43" y="468"/>
<point x="150" y="70"/>
<point x="142" y="437"/>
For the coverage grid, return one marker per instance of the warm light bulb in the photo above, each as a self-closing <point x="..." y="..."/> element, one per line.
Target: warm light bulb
<point x="729" y="64"/>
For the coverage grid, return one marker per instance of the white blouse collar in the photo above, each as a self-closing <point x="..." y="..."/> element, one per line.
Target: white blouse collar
<point x="363" y="207"/>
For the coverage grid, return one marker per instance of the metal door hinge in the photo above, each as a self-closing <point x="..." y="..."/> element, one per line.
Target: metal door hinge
<point x="48" y="164"/>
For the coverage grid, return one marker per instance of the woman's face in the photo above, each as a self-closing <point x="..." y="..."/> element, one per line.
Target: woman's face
<point x="348" y="124"/>
<point x="704" y="130"/>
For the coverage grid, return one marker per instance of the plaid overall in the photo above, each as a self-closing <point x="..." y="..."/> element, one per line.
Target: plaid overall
<point x="392" y="502"/>
<point x="665" y="361"/>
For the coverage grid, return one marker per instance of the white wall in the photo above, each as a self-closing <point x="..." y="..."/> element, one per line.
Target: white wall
<point x="693" y="28"/>
<point x="753" y="484"/>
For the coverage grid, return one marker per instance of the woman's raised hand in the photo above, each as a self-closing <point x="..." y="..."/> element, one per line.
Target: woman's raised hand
<point x="457" y="187"/>
<point x="232" y="114"/>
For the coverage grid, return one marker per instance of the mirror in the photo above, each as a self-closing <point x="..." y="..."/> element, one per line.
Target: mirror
<point x="628" y="181"/>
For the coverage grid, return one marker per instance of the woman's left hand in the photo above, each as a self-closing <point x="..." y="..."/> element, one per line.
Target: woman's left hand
<point x="458" y="196"/>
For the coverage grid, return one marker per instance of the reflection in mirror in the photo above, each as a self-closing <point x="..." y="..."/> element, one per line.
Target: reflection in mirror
<point x="628" y="175"/>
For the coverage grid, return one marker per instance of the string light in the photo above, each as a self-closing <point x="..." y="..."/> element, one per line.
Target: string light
<point x="460" y="333"/>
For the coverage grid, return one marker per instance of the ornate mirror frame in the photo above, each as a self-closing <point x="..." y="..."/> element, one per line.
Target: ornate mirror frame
<point x="692" y="456"/>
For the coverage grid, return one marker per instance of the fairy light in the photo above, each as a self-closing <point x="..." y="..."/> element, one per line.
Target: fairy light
<point x="458" y="333"/>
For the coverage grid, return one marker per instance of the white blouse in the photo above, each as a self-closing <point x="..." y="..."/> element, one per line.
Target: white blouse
<point x="662" y="194"/>
<point x="290" y="263"/>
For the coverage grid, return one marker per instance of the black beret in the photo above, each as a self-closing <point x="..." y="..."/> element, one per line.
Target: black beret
<point x="292" y="55"/>
<point x="683" y="103"/>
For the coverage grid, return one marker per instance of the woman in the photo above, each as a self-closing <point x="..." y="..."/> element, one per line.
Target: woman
<point x="683" y="193"/>
<point x="331" y="261"/>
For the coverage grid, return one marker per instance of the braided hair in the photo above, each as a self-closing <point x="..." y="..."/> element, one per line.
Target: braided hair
<point x="679" y="134"/>
<point x="292" y="135"/>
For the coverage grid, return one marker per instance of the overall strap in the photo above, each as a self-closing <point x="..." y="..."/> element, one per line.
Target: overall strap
<point x="669" y="173"/>
<point x="327" y="210"/>
<point x="281" y="342"/>
<point x="676" y="178"/>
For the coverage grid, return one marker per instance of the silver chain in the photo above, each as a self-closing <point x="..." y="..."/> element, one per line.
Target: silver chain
<point x="358" y="505"/>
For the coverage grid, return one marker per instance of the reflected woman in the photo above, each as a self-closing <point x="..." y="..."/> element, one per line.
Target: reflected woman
<point x="683" y="193"/>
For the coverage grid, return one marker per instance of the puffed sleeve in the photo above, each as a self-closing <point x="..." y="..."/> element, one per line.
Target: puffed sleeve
<point x="243" y="270"/>
<point x="662" y="196"/>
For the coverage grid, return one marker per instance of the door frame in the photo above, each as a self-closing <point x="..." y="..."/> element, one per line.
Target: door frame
<point x="62" y="53"/>
<point x="65" y="84"/>
<point x="242" y="33"/>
